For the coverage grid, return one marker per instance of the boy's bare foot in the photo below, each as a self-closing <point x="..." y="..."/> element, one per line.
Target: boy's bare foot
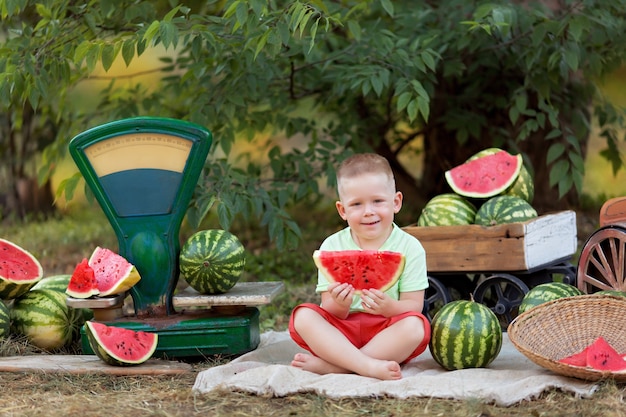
<point x="314" y="364"/>
<point x="386" y="370"/>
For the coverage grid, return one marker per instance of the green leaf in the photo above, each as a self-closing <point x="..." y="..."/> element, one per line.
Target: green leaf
<point x="558" y="172"/>
<point x="555" y="151"/>
<point x="128" y="51"/>
<point x="108" y="56"/>
<point x="388" y="6"/>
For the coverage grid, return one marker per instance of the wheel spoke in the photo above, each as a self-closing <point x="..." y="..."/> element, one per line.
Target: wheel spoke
<point x="602" y="262"/>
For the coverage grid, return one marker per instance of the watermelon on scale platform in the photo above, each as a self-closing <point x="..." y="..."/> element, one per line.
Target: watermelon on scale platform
<point x="363" y="269"/>
<point x="105" y="273"/>
<point x="212" y="261"/>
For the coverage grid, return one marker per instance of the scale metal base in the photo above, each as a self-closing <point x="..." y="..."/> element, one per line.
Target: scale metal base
<point x="206" y="324"/>
<point x="196" y="334"/>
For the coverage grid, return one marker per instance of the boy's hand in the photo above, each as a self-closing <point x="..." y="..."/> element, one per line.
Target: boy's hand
<point x="341" y="294"/>
<point x="377" y="302"/>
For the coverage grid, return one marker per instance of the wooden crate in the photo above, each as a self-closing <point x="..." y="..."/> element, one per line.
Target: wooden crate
<point x="523" y="246"/>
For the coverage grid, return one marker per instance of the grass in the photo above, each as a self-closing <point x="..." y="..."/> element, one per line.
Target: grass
<point x="60" y="243"/>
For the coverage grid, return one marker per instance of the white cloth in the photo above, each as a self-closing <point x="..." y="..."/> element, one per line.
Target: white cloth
<point x="509" y="379"/>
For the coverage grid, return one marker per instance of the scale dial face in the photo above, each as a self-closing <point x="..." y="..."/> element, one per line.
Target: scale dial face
<point x="140" y="173"/>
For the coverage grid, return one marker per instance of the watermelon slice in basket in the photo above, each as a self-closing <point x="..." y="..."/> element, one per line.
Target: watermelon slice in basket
<point x="486" y="176"/>
<point x="599" y="355"/>
<point x="363" y="269"/>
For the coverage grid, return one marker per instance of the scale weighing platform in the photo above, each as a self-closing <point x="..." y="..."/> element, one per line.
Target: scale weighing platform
<point x="143" y="172"/>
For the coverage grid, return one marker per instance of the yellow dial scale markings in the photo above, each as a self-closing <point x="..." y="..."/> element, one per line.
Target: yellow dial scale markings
<point x="139" y="151"/>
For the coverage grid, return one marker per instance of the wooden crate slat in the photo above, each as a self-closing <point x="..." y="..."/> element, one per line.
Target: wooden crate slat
<point x="511" y="247"/>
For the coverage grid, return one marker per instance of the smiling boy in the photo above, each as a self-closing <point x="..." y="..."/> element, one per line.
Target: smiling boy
<point x="373" y="333"/>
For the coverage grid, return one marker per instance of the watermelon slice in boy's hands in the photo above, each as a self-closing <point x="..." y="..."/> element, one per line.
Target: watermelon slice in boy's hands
<point x="363" y="269"/>
<point x="599" y="355"/>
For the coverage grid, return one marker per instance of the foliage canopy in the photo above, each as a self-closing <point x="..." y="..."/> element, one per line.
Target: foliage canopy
<point x="308" y="82"/>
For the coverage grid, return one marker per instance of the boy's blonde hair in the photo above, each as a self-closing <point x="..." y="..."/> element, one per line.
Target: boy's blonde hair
<point x="364" y="163"/>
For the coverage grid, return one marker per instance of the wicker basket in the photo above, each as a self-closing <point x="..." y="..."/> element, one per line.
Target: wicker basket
<point x="560" y="328"/>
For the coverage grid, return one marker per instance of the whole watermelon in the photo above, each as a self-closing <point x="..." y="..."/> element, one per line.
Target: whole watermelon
<point x="548" y="291"/>
<point x="5" y="321"/>
<point x="465" y="334"/>
<point x="45" y="319"/>
<point x="212" y="261"/>
<point x="504" y="209"/>
<point x="447" y="209"/>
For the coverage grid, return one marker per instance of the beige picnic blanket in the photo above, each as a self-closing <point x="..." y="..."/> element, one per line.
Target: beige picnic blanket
<point x="509" y="379"/>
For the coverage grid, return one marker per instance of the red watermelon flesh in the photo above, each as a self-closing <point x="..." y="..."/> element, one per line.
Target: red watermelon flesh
<point x="577" y="359"/>
<point x="486" y="176"/>
<point x="113" y="273"/>
<point x="17" y="264"/>
<point x="19" y="270"/>
<point x="363" y="269"/>
<point x="83" y="281"/>
<point x="120" y="346"/>
<point x="599" y="355"/>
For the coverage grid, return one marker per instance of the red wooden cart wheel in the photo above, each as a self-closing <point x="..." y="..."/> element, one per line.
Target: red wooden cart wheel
<point x="602" y="262"/>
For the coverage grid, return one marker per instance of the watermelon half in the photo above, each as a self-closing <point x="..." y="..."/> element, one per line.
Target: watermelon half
<point x="119" y="346"/>
<point x="486" y="176"/>
<point x="19" y="270"/>
<point x="363" y="269"/>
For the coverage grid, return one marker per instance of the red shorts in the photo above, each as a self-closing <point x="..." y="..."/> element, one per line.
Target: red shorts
<point x="359" y="328"/>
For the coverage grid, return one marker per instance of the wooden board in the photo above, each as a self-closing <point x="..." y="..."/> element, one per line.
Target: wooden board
<point x="521" y="246"/>
<point x="88" y="364"/>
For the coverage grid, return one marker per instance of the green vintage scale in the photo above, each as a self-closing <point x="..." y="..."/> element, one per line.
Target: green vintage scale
<point x="143" y="172"/>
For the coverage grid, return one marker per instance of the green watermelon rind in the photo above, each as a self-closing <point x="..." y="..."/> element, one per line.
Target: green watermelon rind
<point x="212" y="261"/>
<point x="504" y="209"/>
<point x="10" y="287"/>
<point x="447" y="209"/>
<point x="361" y="263"/>
<point x="453" y="178"/>
<point x="108" y="356"/>
<point x="5" y="321"/>
<point x="465" y="334"/>
<point x="45" y="319"/>
<point x="545" y="292"/>
<point x="53" y="282"/>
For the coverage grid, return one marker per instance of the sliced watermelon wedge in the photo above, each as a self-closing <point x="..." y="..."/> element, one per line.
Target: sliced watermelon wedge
<point x="113" y="273"/>
<point x="83" y="281"/>
<point x="363" y="269"/>
<point x="119" y="346"/>
<point x="599" y="355"/>
<point x="486" y="176"/>
<point x="577" y="359"/>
